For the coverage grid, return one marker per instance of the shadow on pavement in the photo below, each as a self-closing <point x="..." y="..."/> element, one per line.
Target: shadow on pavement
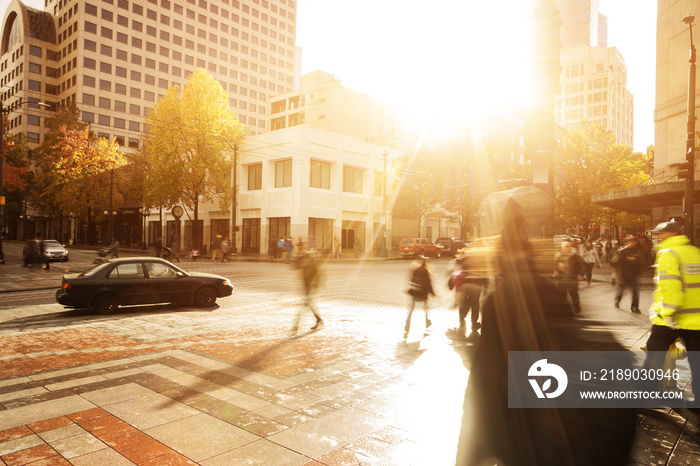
<point x="82" y="316"/>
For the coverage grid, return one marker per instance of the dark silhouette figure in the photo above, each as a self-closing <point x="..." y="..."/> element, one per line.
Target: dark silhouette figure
<point x="526" y="312"/>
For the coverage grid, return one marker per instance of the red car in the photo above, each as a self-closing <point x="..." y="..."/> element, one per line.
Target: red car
<point x="413" y="247"/>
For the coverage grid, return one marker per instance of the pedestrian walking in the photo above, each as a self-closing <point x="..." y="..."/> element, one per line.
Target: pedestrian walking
<point x="674" y="311"/>
<point x="336" y="248"/>
<point x="357" y="247"/>
<point x="280" y="249"/>
<point x="568" y="271"/>
<point x="468" y="285"/>
<point x="288" y="248"/>
<point x="225" y="246"/>
<point x="159" y="246"/>
<point x="310" y="268"/>
<point x="629" y="263"/>
<point x="420" y="289"/>
<point x="608" y="250"/>
<point x="272" y="249"/>
<point x="216" y="254"/>
<point x="591" y="259"/>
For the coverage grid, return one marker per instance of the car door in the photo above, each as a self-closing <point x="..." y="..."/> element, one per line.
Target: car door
<point x="130" y="283"/>
<point x="167" y="285"/>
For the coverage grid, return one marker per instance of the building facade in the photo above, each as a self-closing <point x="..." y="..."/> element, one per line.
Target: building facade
<point x="321" y="101"/>
<point x="115" y="58"/>
<point x="593" y="87"/>
<point x="308" y="184"/>
<point x="593" y="79"/>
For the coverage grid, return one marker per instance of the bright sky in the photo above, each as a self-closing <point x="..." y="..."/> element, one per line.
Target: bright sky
<point x="423" y="56"/>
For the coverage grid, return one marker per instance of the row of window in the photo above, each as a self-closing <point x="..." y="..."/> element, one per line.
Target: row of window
<point x="212" y="23"/>
<point x="320" y="177"/>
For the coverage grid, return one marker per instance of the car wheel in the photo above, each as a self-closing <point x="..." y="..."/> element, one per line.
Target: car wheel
<point x="205" y="297"/>
<point x="105" y="303"/>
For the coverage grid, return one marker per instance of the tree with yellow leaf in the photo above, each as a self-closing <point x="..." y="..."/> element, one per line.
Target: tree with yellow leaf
<point x="75" y="169"/>
<point x="186" y="152"/>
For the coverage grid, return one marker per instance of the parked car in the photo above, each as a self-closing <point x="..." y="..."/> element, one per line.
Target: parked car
<point x="450" y="245"/>
<point x="48" y="250"/>
<point x="412" y="247"/>
<point x="139" y="280"/>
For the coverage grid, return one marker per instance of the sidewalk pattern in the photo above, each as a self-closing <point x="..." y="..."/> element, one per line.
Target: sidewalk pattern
<point x="228" y="386"/>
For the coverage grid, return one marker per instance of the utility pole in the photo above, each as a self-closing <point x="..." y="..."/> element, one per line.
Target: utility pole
<point x="383" y="252"/>
<point x="234" y="202"/>
<point x="2" y="192"/>
<point x="687" y="169"/>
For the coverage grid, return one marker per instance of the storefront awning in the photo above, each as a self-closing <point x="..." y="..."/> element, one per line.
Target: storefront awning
<point x="641" y="199"/>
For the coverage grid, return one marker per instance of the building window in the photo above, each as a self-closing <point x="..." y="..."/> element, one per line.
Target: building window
<point x="33" y="120"/>
<point x="88" y="99"/>
<point x="320" y="174"/>
<point x="89" y="63"/>
<point x="88" y="117"/>
<point x="352" y="180"/>
<point x="119" y="106"/>
<point x="134" y="109"/>
<point x="255" y="176"/>
<point x="119" y="123"/>
<point x="134" y="126"/>
<point x="90" y="45"/>
<point x="33" y="137"/>
<point x="88" y="81"/>
<point x="105" y="102"/>
<point x="120" y="89"/>
<point x="283" y="174"/>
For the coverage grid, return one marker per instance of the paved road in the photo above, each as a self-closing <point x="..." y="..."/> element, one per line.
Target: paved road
<point x="229" y="384"/>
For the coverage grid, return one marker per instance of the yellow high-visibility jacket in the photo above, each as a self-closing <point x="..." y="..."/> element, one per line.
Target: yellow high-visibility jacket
<point x="677" y="278"/>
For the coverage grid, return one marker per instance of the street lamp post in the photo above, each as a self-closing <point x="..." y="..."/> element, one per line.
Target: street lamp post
<point x="382" y="241"/>
<point x="234" y="202"/>
<point x="688" y="168"/>
<point x="146" y="213"/>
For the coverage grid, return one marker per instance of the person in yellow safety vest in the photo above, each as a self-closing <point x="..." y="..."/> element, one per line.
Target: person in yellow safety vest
<point x="675" y="312"/>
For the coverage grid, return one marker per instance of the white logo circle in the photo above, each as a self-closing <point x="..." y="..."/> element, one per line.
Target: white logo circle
<point x="544" y="372"/>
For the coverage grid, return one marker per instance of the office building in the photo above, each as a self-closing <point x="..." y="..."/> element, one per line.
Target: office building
<point x="115" y="58"/>
<point x="593" y="79"/>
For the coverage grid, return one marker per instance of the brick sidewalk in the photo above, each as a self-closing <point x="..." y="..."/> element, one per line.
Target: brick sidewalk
<point x="228" y="386"/>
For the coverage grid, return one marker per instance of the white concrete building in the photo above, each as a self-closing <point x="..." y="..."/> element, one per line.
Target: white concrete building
<point x="306" y="183"/>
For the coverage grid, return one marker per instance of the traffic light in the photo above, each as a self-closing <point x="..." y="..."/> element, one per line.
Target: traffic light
<point x="685" y="171"/>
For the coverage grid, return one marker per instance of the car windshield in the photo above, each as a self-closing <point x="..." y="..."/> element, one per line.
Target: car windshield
<point x="52" y="243"/>
<point x="406" y="242"/>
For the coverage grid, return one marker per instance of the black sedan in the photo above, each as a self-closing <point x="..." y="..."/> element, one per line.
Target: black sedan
<point x="139" y="280"/>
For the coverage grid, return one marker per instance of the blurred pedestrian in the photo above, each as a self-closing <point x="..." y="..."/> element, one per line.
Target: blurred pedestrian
<point x="629" y="265"/>
<point x="216" y="254"/>
<point x="159" y="246"/>
<point x="288" y="248"/>
<point x="591" y="260"/>
<point x="468" y="286"/>
<point x="525" y="312"/>
<point x="225" y="247"/>
<point x="357" y="247"/>
<point x="568" y="271"/>
<point x="309" y="266"/>
<point x="336" y="248"/>
<point x="420" y="289"/>
<point x="300" y="246"/>
<point x="674" y="312"/>
<point x="272" y="249"/>
<point x="280" y="249"/>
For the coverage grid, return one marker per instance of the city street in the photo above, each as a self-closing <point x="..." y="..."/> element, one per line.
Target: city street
<point x="229" y="385"/>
